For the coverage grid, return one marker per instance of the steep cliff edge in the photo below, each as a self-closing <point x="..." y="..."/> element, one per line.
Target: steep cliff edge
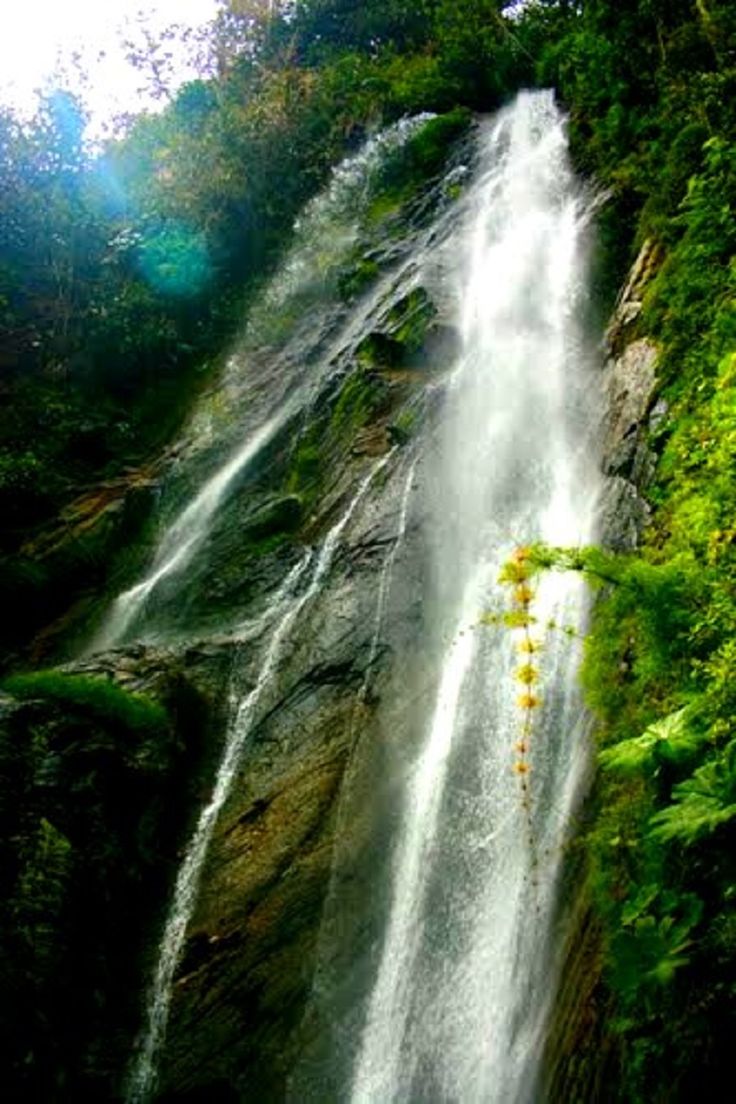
<point x="269" y="1001"/>
<point x="248" y="966"/>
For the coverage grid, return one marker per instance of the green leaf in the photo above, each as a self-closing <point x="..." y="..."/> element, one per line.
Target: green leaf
<point x="670" y="738"/>
<point x="703" y="802"/>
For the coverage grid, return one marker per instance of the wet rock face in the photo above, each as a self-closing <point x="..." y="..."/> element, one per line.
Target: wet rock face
<point x="59" y="576"/>
<point x="239" y="1003"/>
<point x="631" y="387"/>
<point x="360" y="380"/>
<point x="244" y="1012"/>
<point x="631" y="298"/>
<point x="241" y="1016"/>
<point x="368" y="365"/>
<point x="630" y="390"/>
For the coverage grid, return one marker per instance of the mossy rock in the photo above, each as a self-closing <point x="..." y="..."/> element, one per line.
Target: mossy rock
<point x="408" y="326"/>
<point x="97" y="787"/>
<point x="404" y="427"/>
<point x="424" y="154"/>
<point x="379" y="350"/>
<point x="307" y="462"/>
<point x="361" y="399"/>
<point x="98" y="698"/>
<point x="277" y="518"/>
<point x="357" y="277"/>
<point x="410" y="319"/>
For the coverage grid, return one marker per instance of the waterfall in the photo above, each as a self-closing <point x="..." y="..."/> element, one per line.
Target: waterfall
<point x="143" y="1073"/>
<point x="187" y="883"/>
<point x="456" y="969"/>
<point x="465" y="968"/>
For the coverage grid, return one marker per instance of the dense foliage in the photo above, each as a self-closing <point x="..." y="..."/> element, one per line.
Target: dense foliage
<point x="660" y="839"/>
<point x="123" y="273"/>
<point x="92" y="797"/>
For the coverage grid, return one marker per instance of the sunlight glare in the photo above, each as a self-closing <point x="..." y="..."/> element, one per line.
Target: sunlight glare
<point x="39" y="38"/>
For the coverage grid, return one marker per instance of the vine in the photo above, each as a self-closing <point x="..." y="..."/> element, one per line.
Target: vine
<point x="516" y="573"/>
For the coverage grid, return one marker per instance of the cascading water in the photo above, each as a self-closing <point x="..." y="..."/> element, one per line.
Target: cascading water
<point x="385" y="581"/>
<point x="143" y="1073"/>
<point x="465" y="970"/>
<point x="187" y="533"/>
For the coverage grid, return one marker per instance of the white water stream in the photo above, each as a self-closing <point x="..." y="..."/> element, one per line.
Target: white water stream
<point x="188" y="531"/>
<point x="324" y="238"/>
<point x="466" y="966"/>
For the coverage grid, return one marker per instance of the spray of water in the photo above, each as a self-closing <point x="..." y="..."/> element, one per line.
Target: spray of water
<point x="187" y="532"/>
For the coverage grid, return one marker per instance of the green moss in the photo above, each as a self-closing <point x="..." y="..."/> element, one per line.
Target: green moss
<point x="360" y="400"/>
<point x="386" y="205"/>
<point x="379" y="350"/>
<point x="411" y="166"/>
<point x="262" y="532"/>
<point x="100" y="698"/>
<point x="454" y="191"/>
<point x="306" y="464"/>
<point x="406" y="330"/>
<point x="426" y="151"/>
<point x="275" y="520"/>
<point x="404" y="426"/>
<point x="357" y="277"/>
<point x="410" y="319"/>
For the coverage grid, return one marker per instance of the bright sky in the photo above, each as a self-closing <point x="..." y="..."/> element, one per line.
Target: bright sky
<point x="36" y="34"/>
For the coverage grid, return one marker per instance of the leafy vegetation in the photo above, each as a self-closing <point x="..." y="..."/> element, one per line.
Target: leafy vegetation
<point x="649" y="85"/>
<point x="663" y="818"/>
<point x="422" y="156"/>
<point x="125" y="271"/>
